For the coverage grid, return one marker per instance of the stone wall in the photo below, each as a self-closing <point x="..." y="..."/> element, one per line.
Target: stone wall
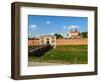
<point x="79" y="41"/>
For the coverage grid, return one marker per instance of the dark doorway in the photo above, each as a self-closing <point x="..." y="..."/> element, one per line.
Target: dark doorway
<point x="48" y="42"/>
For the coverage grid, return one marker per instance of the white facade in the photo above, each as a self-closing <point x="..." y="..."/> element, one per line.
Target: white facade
<point x="48" y="39"/>
<point x="73" y="35"/>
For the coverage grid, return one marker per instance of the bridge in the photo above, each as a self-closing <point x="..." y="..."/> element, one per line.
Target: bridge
<point x="38" y="51"/>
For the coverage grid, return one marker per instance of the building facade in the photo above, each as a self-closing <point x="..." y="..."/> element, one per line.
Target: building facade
<point x="73" y="33"/>
<point x="47" y="39"/>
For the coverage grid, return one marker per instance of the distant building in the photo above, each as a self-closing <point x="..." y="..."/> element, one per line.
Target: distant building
<point x="47" y="39"/>
<point x="73" y="33"/>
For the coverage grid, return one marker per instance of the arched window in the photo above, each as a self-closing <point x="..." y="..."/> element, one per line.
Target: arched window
<point x="47" y="38"/>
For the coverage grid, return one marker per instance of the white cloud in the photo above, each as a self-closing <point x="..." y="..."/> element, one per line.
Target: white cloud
<point x="73" y="26"/>
<point x="33" y="27"/>
<point x="52" y="33"/>
<point x="48" y="22"/>
<point x="64" y="27"/>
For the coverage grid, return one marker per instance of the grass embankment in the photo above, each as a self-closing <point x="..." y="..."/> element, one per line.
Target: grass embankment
<point x="69" y="54"/>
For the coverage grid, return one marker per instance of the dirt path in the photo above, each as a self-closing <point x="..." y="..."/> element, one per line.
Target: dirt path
<point x="42" y="64"/>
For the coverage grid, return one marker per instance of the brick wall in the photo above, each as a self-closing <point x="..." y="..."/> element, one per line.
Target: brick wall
<point x="33" y="42"/>
<point x="81" y="41"/>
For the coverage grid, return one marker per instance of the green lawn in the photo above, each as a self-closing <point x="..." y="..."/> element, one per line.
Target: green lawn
<point x="69" y="54"/>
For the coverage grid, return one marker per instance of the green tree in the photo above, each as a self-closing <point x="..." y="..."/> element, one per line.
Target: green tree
<point x="84" y="34"/>
<point x="58" y="35"/>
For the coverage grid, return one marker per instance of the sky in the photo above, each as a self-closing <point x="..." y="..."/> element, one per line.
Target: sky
<point x="49" y="25"/>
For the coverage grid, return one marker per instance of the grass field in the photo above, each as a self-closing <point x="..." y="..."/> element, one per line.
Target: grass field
<point x="69" y="54"/>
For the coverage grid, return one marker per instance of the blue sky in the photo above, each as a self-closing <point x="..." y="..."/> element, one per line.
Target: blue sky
<point x="45" y="25"/>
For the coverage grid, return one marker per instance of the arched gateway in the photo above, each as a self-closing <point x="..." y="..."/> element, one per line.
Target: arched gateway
<point x="48" y="39"/>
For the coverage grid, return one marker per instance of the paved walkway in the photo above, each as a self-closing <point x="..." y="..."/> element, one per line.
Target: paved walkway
<point x="42" y="64"/>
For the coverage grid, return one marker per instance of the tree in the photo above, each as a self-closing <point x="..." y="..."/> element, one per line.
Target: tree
<point x="84" y="34"/>
<point x="58" y="35"/>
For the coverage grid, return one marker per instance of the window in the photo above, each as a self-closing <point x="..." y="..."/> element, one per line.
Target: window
<point x="52" y="41"/>
<point x="47" y="38"/>
<point x="53" y="37"/>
